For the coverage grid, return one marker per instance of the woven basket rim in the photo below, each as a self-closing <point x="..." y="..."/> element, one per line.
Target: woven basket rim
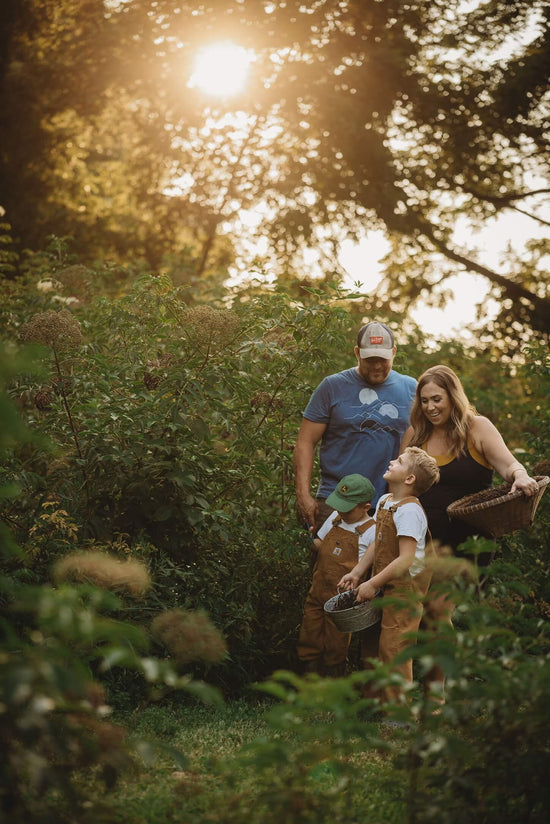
<point x="468" y="504"/>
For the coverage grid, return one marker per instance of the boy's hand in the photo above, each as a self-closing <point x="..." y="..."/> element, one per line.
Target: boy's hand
<point x="366" y="592"/>
<point x="348" y="581"/>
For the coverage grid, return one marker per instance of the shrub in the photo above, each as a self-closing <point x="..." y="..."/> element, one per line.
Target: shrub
<point x="54" y="645"/>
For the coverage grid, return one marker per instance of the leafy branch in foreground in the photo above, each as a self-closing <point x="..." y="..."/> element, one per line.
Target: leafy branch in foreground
<point x="56" y="643"/>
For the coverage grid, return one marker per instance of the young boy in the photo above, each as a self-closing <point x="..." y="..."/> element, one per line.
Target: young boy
<point x="340" y="542"/>
<point x="397" y="559"/>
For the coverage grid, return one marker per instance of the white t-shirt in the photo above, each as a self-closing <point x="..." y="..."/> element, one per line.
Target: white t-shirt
<point x="411" y="522"/>
<point x="364" y="540"/>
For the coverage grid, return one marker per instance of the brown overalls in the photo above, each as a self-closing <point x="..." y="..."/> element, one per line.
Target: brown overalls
<point x="385" y="640"/>
<point x="321" y="647"/>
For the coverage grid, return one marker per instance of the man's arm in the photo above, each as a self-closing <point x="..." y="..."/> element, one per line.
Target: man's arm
<point x="309" y="435"/>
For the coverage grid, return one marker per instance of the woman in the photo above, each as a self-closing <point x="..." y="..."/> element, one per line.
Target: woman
<point x="467" y="448"/>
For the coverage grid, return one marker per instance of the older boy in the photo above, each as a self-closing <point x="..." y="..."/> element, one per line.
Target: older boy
<point x="397" y="558"/>
<point x="340" y="542"/>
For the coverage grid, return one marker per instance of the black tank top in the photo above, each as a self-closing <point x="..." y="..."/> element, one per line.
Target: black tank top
<point x="458" y="477"/>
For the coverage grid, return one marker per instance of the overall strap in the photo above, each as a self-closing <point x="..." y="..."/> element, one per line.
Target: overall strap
<point x="363" y="527"/>
<point x="431" y="548"/>
<point x="410" y="499"/>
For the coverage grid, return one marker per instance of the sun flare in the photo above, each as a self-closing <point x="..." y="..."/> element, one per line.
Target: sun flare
<point x="221" y="69"/>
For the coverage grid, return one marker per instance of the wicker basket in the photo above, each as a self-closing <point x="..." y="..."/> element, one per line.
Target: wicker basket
<point x="354" y="618"/>
<point x="496" y="510"/>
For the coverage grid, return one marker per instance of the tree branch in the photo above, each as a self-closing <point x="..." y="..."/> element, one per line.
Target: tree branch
<point x="528" y="214"/>
<point x="539" y="308"/>
<point x="505" y="200"/>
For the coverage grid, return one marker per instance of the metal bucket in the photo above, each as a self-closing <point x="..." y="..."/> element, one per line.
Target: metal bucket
<point x="355" y="616"/>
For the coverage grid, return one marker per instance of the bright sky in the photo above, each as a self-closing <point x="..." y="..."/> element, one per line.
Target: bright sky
<point x="362" y="262"/>
<point x="221" y="69"/>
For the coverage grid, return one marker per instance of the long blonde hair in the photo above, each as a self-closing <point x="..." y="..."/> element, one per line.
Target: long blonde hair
<point x="462" y="411"/>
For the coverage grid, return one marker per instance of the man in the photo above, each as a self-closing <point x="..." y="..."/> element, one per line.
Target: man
<point x="359" y="416"/>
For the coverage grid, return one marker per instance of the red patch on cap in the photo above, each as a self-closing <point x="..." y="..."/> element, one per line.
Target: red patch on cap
<point x="376" y="340"/>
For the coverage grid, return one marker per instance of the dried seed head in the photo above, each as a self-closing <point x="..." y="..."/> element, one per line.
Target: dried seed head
<point x="265" y="399"/>
<point x="73" y="278"/>
<point x="211" y="328"/>
<point x="163" y="361"/>
<point x="157" y="369"/>
<point x="60" y="330"/>
<point x="446" y="567"/>
<point x="151" y="381"/>
<point x="279" y="337"/>
<point x="105" y="571"/>
<point x="43" y="399"/>
<point x="189" y="636"/>
<point x="260" y="399"/>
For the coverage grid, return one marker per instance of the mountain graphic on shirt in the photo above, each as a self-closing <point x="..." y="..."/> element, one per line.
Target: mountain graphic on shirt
<point x="374" y="413"/>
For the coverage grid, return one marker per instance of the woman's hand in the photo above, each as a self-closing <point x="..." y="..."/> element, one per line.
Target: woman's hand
<point x="524" y="483"/>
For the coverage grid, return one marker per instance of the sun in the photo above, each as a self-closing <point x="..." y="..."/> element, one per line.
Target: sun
<point x="221" y="69"/>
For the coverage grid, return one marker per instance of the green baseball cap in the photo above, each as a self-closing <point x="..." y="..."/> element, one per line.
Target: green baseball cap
<point x="351" y="491"/>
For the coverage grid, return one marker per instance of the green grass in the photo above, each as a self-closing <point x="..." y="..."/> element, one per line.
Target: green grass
<point x="240" y="768"/>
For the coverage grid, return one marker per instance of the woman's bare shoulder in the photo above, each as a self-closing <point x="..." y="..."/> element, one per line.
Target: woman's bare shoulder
<point x="483" y="433"/>
<point x="480" y="425"/>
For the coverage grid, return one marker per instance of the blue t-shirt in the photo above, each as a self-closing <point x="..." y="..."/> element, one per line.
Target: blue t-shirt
<point x="365" y="425"/>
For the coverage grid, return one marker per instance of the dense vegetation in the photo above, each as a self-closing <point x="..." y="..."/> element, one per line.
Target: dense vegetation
<point x="153" y="571"/>
<point x="147" y="438"/>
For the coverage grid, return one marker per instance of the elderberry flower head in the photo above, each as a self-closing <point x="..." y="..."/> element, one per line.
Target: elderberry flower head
<point x="60" y="330"/>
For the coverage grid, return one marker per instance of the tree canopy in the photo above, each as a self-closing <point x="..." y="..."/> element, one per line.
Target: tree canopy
<point x="425" y="119"/>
